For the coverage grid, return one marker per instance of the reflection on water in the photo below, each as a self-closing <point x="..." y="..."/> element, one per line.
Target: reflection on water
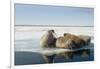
<point x="27" y="53"/>
<point x="81" y="55"/>
<point x="66" y="56"/>
<point x="26" y="57"/>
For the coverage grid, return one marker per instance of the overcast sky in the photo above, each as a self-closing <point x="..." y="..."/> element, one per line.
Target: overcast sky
<point x="53" y="15"/>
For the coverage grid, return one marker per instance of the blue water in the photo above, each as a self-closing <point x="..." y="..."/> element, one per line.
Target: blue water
<point x="26" y="52"/>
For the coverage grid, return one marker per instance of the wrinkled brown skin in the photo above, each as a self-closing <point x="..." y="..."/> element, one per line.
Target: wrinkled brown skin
<point x="62" y="42"/>
<point x="77" y="41"/>
<point x="48" y="39"/>
<point x="69" y="41"/>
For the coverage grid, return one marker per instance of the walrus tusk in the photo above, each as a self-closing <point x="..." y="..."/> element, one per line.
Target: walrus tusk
<point x="54" y="34"/>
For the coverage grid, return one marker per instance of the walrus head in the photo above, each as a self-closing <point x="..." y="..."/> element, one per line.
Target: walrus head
<point x="52" y="32"/>
<point x="48" y="39"/>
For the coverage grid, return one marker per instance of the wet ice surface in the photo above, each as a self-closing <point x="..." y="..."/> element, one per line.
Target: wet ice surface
<point x="31" y="56"/>
<point x="28" y="50"/>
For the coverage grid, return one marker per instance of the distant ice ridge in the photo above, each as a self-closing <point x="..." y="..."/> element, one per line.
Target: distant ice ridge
<point x="26" y="32"/>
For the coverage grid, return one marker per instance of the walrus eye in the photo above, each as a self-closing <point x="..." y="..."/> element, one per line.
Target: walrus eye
<point x="65" y="34"/>
<point x="52" y="31"/>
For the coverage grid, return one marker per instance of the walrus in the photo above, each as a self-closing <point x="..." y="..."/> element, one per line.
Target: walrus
<point x="48" y="39"/>
<point x="77" y="41"/>
<point x="69" y="41"/>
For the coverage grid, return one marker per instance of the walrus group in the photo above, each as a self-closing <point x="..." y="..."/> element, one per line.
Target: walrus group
<point x="66" y="41"/>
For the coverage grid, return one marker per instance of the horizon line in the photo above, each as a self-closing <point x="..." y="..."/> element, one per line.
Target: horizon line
<point x="54" y="25"/>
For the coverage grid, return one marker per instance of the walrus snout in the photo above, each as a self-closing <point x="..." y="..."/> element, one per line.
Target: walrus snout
<point x="53" y="33"/>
